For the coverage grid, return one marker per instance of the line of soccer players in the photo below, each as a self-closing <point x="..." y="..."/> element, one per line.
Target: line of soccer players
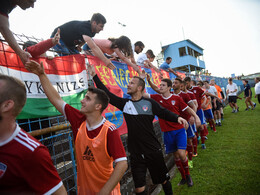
<point x="195" y="102"/>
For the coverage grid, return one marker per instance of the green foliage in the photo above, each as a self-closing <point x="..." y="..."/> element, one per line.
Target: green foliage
<point x="231" y="162"/>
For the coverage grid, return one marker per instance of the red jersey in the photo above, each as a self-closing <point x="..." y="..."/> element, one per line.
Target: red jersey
<point x="198" y="92"/>
<point x="175" y="104"/>
<point x="192" y="96"/>
<point x="26" y="166"/>
<point x="114" y="144"/>
<point x="40" y="48"/>
<point x="186" y="98"/>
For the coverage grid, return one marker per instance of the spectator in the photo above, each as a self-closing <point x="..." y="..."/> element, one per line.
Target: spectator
<point x="39" y="49"/>
<point x="25" y="164"/>
<point x="120" y="47"/>
<point x="97" y="141"/>
<point x="248" y="95"/>
<point x="71" y="37"/>
<point x="6" y="6"/>
<point x="166" y="66"/>
<point x="145" y="60"/>
<point x="137" y="48"/>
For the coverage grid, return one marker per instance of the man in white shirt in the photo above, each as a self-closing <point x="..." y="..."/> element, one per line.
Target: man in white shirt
<point x="232" y="95"/>
<point x="257" y="88"/>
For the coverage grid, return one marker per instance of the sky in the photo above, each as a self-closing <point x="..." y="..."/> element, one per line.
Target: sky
<point x="227" y="30"/>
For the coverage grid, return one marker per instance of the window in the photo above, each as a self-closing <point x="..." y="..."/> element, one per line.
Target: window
<point x="182" y="51"/>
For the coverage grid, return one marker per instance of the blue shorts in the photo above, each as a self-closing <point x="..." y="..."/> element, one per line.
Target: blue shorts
<point x="190" y="131"/>
<point x="208" y="114"/>
<point x="194" y="128"/>
<point x="175" y="140"/>
<point x="201" y="116"/>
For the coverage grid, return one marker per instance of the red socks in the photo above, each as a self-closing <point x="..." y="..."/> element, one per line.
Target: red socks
<point x="189" y="149"/>
<point x="185" y="166"/>
<point x="180" y="167"/>
<point x="195" y="144"/>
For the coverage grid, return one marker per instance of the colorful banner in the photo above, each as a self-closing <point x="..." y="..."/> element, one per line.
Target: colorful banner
<point x="67" y="74"/>
<point x="69" y="77"/>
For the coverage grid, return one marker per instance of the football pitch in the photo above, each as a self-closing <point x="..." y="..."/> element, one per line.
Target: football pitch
<point x="231" y="162"/>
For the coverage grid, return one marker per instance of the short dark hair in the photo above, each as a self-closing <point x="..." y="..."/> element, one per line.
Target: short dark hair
<point x="194" y="82"/>
<point x="257" y="78"/>
<point x="150" y="52"/>
<point x="206" y="82"/>
<point x="245" y="80"/>
<point x="168" y="81"/>
<point x="178" y="79"/>
<point x="140" y="82"/>
<point x="139" y="44"/>
<point x="101" y="98"/>
<point x="98" y="18"/>
<point x="15" y="90"/>
<point x="168" y="58"/>
<point x="200" y="83"/>
<point x="187" y="79"/>
<point x="230" y="79"/>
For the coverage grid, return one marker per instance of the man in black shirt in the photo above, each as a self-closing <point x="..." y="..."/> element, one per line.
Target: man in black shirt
<point x="143" y="145"/>
<point x="6" y="6"/>
<point x="71" y="33"/>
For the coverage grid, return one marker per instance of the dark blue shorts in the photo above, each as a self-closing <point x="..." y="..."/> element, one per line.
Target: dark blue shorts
<point x="175" y="140"/>
<point x="190" y="131"/>
<point x="200" y="114"/>
<point x="208" y="114"/>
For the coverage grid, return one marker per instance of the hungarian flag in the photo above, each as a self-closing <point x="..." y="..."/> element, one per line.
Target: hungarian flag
<point x="67" y="74"/>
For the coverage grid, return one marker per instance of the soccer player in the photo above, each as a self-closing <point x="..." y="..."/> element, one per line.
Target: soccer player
<point x="232" y="95"/>
<point x="196" y="137"/>
<point x="143" y="145"/>
<point x="199" y="93"/>
<point x="215" y="102"/>
<point x="180" y="89"/>
<point x="25" y="164"/>
<point x="221" y="96"/>
<point x="207" y="109"/>
<point x="177" y="83"/>
<point x="97" y="141"/>
<point x="175" y="136"/>
<point x="248" y="95"/>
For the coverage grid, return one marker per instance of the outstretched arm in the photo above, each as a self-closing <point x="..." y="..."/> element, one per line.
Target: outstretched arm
<point x="126" y="60"/>
<point x="49" y="90"/>
<point x="173" y="72"/>
<point x="192" y="113"/>
<point x="153" y="86"/>
<point x="115" y="177"/>
<point x="97" y="52"/>
<point x="114" y="100"/>
<point x="9" y="37"/>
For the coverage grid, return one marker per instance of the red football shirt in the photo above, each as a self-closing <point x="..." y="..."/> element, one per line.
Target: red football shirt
<point x="186" y="98"/>
<point x="175" y="104"/>
<point x="198" y="92"/>
<point x="114" y="144"/>
<point x="26" y="166"/>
